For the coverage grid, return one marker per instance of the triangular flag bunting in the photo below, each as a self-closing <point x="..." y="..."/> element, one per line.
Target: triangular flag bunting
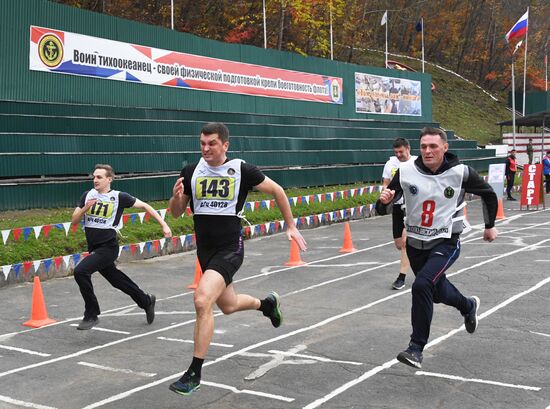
<point x="16" y="233"/>
<point x="148" y="245"/>
<point x="47" y="229"/>
<point x="67" y="260"/>
<point x="27" y="232"/>
<point x="182" y="241"/>
<point x="162" y="242"/>
<point x="141" y="246"/>
<point x="67" y="226"/>
<point x="6" y="270"/>
<point x="76" y="258"/>
<point x="162" y="213"/>
<point x="47" y="264"/>
<point x="141" y="216"/>
<point x="36" y="265"/>
<point x="133" y="217"/>
<point x="5" y="235"/>
<point x="17" y="269"/>
<point x="58" y="260"/>
<point x="37" y="230"/>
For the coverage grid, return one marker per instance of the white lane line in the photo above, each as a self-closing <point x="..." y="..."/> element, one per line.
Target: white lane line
<point x="326" y="321"/>
<point x="23" y="403"/>
<point x="540" y="333"/>
<point x="114" y="331"/>
<point x="311" y="287"/>
<point x="436" y="341"/>
<point x="121" y="370"/>
<point x="315" y="358"/>
<point x="190" y="341"/>
<point x="460" y="378"/>
<point x="156" y="313"/>
<point x="248" y="391"/>
<point x="25" y="351"/>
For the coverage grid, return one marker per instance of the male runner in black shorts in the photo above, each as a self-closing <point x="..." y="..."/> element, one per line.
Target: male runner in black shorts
<point x="102" y="209"/>
<point x="216" y="188"/>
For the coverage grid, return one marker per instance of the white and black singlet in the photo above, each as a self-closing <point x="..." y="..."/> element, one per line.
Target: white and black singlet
<point x="102" y="219"/>
<point x="217" y="196"/>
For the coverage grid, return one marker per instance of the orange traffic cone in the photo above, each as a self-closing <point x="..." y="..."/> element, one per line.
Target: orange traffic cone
<point x="348" y="244"/>
<point x="500" y="210"/>
<point x="295" y="259"/>
<point x="39" y="315"/>
<point x="198" y="275"/>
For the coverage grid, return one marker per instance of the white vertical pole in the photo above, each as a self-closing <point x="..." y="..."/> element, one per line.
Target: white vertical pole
<point x="386" y="66"/>
<point x="525" y="63"/>
<point x="546" y="70"/>
<point x="172" y="12"/>
<point x="331" y="43"/>
<point x="513" y="106"/>
<point x="422" y="26"/>
<point x="265" y="29"/>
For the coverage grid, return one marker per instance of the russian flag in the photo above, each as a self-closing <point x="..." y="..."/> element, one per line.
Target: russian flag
<point x="520" y="28"/>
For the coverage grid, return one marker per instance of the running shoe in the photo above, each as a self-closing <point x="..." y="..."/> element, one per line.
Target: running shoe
<point x="411" y="356"/>
<point x="187" y="384"/>
<point x="398" y="284"/>
<point x="88" y="323"/>
<point x="470" y="319"/>
<point x="275" y="314"/>
<point x="150" y="310"/>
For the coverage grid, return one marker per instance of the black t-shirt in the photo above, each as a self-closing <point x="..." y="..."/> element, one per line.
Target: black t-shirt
<point x="216" y="230"/>
<point x="99" y="237"/>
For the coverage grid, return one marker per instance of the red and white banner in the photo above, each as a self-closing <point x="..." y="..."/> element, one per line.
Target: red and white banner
<point x="532" y="193"/>
<point x="69" y="53"/>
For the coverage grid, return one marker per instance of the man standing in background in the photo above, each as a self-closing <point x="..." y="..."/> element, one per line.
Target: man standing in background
<point x="511" y="167"/>
<point x="402" y="151"/>
<point x="530" y="151"/>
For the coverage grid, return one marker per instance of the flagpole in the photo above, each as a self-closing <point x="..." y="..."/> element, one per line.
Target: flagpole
<point x="546" y="69"/>
<point x="513" y="105"/>
<point x="386" y="66"/>
<point x="331" y="43"/>
<point x="422" y="26"/>
<point x="172" y="12"/>
<point x="525" y="63"/>
<point x="265" y="30"/>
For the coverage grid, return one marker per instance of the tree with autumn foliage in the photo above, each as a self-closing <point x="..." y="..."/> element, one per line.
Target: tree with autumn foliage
<point x="465" y="36"/>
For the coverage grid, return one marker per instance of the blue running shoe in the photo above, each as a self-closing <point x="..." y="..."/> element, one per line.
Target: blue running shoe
<point x="187" y="384"/>
<point x="411" y="356"/>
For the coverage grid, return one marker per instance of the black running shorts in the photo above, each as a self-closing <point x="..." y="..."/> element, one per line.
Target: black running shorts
<point x="225" y="260"/>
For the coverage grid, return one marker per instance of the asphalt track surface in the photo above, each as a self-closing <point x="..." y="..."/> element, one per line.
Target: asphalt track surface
<point x="343" y="327"/>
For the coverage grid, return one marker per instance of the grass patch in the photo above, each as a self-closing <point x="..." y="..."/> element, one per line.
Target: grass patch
<point x="57" y="243"/>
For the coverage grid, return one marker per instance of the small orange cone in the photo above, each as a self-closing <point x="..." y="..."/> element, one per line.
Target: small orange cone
<point x="348" y="244"/>
<point x="198" y="275"/>
<point x="500" y="210"/>
<point x="295" y="259"/>
<point x="39" y="315"/>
